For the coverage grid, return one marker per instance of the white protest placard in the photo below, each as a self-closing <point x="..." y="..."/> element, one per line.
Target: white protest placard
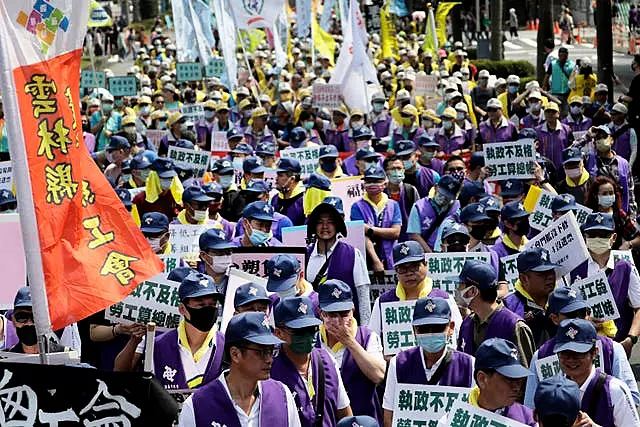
<point x="564" y="242"/>
<point x="626" y="255"/>
<point x="509" y="265"/>
<point x="155" y="300"/>
<point x="195" y="159"/>
<point x="135" y="191"/>
<point x="193" y="112"/>
<point x="350" y="189"/>
<point x="184" y="238"/>
<point x="171" y="262"/>
<point x="397" y="332"/>
<point x="307" y="156"/>
<point x="219" y="141"/>
<point x="297" y="236"/>
<point x="549" y="366"/>
<point x="155" y="136"/>
<point x="6" y="176"/>
<point x="424" y="405"/>
<point x="236" y="279"/>
<point x="538" y="203"/>
<point x="510" y="160"/>
<point x="444" y="267"/>
<point x="464" y="415"/>
<point x="597" y="294"/>
<point x="253" y="260"/>
<point x="327" y="96"/>
<point x="12" y="259"/>
<point x="426" y="85"/>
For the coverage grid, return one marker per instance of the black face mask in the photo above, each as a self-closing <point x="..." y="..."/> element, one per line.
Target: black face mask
<point x="479" y="232"/>
<point x="522" y="227"/>
<point x="203" y="318"/>
<point x="493" y="223"/>
<point x="27" y="335"/>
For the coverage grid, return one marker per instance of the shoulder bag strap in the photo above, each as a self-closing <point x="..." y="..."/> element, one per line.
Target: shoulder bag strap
<point x="440" y="371"/>
<point x="321" y="273"/>
<point x="320" y="394"/>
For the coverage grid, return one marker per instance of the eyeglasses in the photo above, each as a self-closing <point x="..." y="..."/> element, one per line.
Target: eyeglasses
<point x="458" y="169"/>
<point x="159" y="102"/>
<point x="23" y="316"/>
<point x="410" y="268"/>
<point x="266" y="353"/>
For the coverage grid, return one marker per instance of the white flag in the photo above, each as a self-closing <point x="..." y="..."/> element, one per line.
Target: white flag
<point x="255" y="13"/>
<point x="303" y="18"/>
<point x="227" y="35"/>
<point x="192" y="22"/>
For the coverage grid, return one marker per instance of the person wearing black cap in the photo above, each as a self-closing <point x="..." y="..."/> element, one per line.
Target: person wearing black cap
<point x="382" y="220"/>
<point x="215" y="256"/>
<point x="9" y="204"/>
<point x="606" y="401"/>
<point x="232" y="205"/>
<point x="158" y="195"/>
<point x="405" y="194"/>
<point x="499" y="377"/>
<point x="330" y="257"/>
<point x="251" y="297"/>
<point x="311" y="373"/>
<point x="357" y="349"/>
<point x="329" y="163"/>
<point x="515" y="226"/>
<point x="196" y="207"/>
<point x="244" y="395"/>
<point x="558" y="403"/>
<point x="289" y="199"/>
<point x="431" y="362"/>
<point x="577" y="180"/>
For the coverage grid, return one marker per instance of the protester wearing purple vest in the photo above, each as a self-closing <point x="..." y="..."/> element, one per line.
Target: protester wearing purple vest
<point x="499" y="377"/>
<point x="299" y="366"/>
<point x="380" y="119"/>
<point x="365" y="157"/>
<point x="450" y="136"/>
<point x="419" y="176"/>
<point x="553" y="136"/>
<point x="286" y="279"/>
<point x="429" y="147"/>
<point x="605" y="399"/>
<point x="409" y="129"/>
<point x="258" y="190"/>
<point x="257" y="131"/>
<point x="338" y="132"/>
<point x="257" y="219"/>
<point x="250" y="348"/>
<point x="290" y="195"/>
<point x="382" y="220"/>
<point x="431" y="362"/>
<point x="478" y="291"/>
<point x="515" y="227"/>
<point x="496" y="128"/>
<point x="405" y="194"/>
<point x="576" y="120"/>
<point x="427" y="214"/>
<point x="625" y="140"/>
<point x="357" y="350"/>
<point x="558" y="403"/>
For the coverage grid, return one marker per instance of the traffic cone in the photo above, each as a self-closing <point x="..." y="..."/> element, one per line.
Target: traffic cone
<point x="537" y="24"/>
<point x="529" y="26"/>
<point x="556" y="27"/>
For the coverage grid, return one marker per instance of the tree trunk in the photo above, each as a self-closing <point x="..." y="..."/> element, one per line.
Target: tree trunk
<point x="456" y="23"/>
<point x="497" y="49"/>
<point x="136" y="11"/>
<point x="604" y="31"/>
<point x="545" y="31"/>
<point x="124" y="10"/>
<point x="148" y="8"/>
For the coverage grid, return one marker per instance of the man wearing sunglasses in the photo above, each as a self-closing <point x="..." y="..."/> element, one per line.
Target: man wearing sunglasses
<point x="565" y="303"/>
<point x="497" y="128"/>
<point x="244" y="395"/>
<point x="310" y="373"/>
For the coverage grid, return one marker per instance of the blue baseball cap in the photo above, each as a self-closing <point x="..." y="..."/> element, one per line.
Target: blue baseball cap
<point x="479" y="274"/>
<point x="288" y="164"/>
<point x="363" y="133"/>
<point x="513" y="210"/>
<point x="259" y="210"/>
<point x="212" y="188"/>
<point x="123" y="194"/>
<point x="599" y="221"/>
<point x="491" y="204"/>
<point x="223" y="167"/>
<point x="253" y="165"/>
<point x="328" y="152"/>
<point x="234" y="133"/>
<point x="249" y="292"/>
<point x="125" y="166"/>
<point x="409" y="251"/>
<point x="563" y="203"/>
<point x="535" y="259"/>
<point x="431" y="311"/>
<point x="404" y="147"/>
<point x="178" y="274"/>
<point x="335" y="202"/>
<point x="577" y="335"/>
<point x="140" y="161"/>
<point x="426" y="140"/>
<point x="250" y="326"/>
<point x="476" y="160"/>
<point x="23" y="298"/>
<point x="297" y="136"/>
<point x="571" y="154"/>
<point x="198" y="285"/>
<point x="473" y="212"/>
<point x="558" y="396"/>
<point x="214" y="238"/>
<point x="335" y="295"/>
<point x="266" y="149"/>
<point x="242" y="148"/>
<point x="449" y="186"/>
<point x="502" y="356"/>
<point x="471" y="189"/>
<point x="184" y="143"/>
<point x="511" y="188"/>
<point x="164" y="167"/>
<point x="184" y="172"/>
<point x="366" y="153"/>
<point x="283" y="270"/>
<point x="295" y="313"/>
<point x="565" y="300"/>
<point x="154" y="222"/>
<point x="318" y="181"/>
<point x="451" y="228"/>
<point x="117" y="143"/>
<point x="258" y="186"/>
<point x="374" y="173"/>
<point x="195" y="193"/>
<point x="359" y="421"/>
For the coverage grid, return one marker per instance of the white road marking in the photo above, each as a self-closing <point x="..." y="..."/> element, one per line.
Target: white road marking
<point x="512" y="46"/>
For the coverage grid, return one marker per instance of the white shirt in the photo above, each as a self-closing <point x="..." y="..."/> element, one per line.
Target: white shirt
<point x="343" y="398"/>
<point x="316" y="261"/>
<point x="374" y="348"/>
<point x="188" y="419"/>
<point x="624" y="412"/>
<point x="634" y="280"/>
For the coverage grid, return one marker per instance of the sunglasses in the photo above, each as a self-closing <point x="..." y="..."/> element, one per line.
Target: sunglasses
<point x="23" y="316"/>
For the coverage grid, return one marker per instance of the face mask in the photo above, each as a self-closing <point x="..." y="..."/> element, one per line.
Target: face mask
<point x="513" y="89"/>
<point x="107" y="108"/>
<point x="598" y="245"/>
<point x="378" y="107"/>
<point x="203" y="318"/>
<point x="606" y="201"/>
<point x="201" y="215"/>
<point x="146" y="110"/>
<point x="458" y="175"/>
<point x="27" y="335"/>
<point x="209" y="114"/>
<point x="461" y="300"/>
<point x="432" y="343"/>
<point x="373" y="189"/>
<point x="479" y="231"/>
<point x="428" y="155"/>
<point x="165" y="183"/>
<point x="220" y="264"/>
<point x="289" y="293"/>
<point x="447" y="125"/>
<point x="535" y="107"/>
<point x="237" y="162"/>
<point x="130" y="130"/>
<point x="483" y="83"/>
<point x="119" y="103"/>
<point x="575" y="111"/>
<point x="440" y="199"/>
<point x="126" y="177"/>
<point x="460" y="116"/>
<point x="456" y="247"/>
<point x="396" y="177"/>
<point x="329" y="166"/>
<point x="162" y="125"/>
<point x="303" y="343"/>
<point x="368" y="165"/>
<point x="357" y="125"/>
<point x="309" y="125"/>
<point x="574" y="173"/>
<point x="427" y="124"/>
<point x="154" y="243"/>
<point x="226" y="181"/>
<point x="603" y="145"/>
<point x="184" y="128"/>
<point x="408" y="164"/>
<point x="259" y="238"/>
<point x="407" y="122"/>
<point x="522" y="227"/>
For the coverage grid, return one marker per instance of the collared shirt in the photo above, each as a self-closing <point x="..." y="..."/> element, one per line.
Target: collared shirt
<point x="624" y="411"/>
<point x="374" y="346"/>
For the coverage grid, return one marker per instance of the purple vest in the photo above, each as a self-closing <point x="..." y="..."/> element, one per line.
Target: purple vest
<point x="251" y="139"/>
<point x="424" y="180"/>
<point x="583" y="125"/>
<point x="553" y="143"/>
<point x="385" y="248"/>
<point x="284" y="371"/>
<point x="11" y="337"/>
<point x="340" y="139"/>
<point x="546" y="350"/>
<point x="167" y="354"/>
<point x="623" y="171"/>
<point x="502" y="134"/>
<point x="532" y="122"/>
<point x="390" y="296"/>
<point x="619" y="283"/>
<point x="449" y="144"/>
<point x="349" y="166"/>
<point x="203" y="132"/>
<point x="521" y="414"/>
<point x="428" y="216"/>
<point x="293" y="209"/>
<point x="414" y="135"/>
<point x="211" y="403"/>
<point x="622" y="145"/>
<point x="602" y="414"/>
<point x="381" y="127"/>
<point x="436" y="165"/>
<point x="276" y="226"/>
<point x="458" y="373"/>
<point x="404" y="211"/>
<point x="502" y="250"/>
<point x="501" y="325"/>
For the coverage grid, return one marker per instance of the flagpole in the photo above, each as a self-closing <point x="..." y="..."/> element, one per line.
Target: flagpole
<point x="244" y="53"/>
<point x="313" y="35"/>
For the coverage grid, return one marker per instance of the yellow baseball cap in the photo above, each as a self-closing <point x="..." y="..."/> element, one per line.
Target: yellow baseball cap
<point x="410" y="109"/>
<point x="128" y="120"/>
<point x="552" y="106"/>
<point x="174" y="117"/>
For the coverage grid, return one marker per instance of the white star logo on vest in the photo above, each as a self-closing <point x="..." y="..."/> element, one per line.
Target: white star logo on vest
<point x="404" y="249"/>
<point x="336" y="293"/>
<point x="599" y="219"/>
<point x="430" y="306"/>
<point x="427" y="222"/>
<point x="169" y="373"/>
<point x="572" y="293"/>
<point x="514" y="354"/>
<point x="277" y="272"/>
<point x="302" y="308"/>
<point x="355" y="424"/>
<point x="253" y="291"/>
<point x="215" y="424"/>
<point x="571" y="333"/>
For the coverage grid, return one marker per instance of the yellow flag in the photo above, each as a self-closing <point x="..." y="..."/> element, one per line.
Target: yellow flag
<point x="322" y="41"/>
<point x="251" y="39"/>
<point x="441" y="20"/>
<point x="388" y="34"/>
<point x="430" y="43"/>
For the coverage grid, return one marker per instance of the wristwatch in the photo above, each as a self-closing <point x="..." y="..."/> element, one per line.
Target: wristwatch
<point x="633" y="338"/>
<point x="370" y="232"/>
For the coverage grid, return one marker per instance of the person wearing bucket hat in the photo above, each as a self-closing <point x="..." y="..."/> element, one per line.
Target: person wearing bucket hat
<point x="450" y="136"/>
<point x="196" y="207"/>
<point x="576" y="120"/>
<point x="290" y="198"/>
<point x="413" y="283"/>
<point x="258" y="132"/>
<point x="497" y="128"/>
<point x="251" y="297"/>
<point x="499" y="377"/>
<point x="606" y="400"/>
<point x="357" y="349"/>
<point x="257" y="218"/>
<point x="421" y="177"/>
<point x="299" y="363"/>
<point x="382" y="219"/>
<point x="553" y="136"/>
<point x="331" y="257"/>
<point x="405" y="194"/>
<point x="244" y="395"/>
<point x="428" y="214"/>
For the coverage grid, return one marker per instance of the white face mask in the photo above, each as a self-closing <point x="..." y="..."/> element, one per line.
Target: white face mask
<point x="291" y="292"/>
<point x="154" y="243"/>
<point x="130" y="130"/>
<point x="221" y="263"/>
<point x="165" y="183"/>
<point x="357" y="125"/>
<point x="201" y="215"/>
<point x="598" y="245"/>
<point x="146" y="110"/>
<point x="575" y="111"/>
<point x="574" y="173"/>
<point x="209" y="114"/>
<point x="606" y="201"/>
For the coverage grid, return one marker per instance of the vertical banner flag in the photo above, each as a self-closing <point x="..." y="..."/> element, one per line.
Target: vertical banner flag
<point x="255" y="13"/>
<point x="303" y="17"/>
<point x="441" y="20"/>
<point x="325" y="18"/>
<point x="75" y="228"/>
<point x="322" y="41"/>
<point x="388" y="34"/>
<point x="430" y="38"/>
<point x="193" y="22"/>
<point x="227" y="32"/>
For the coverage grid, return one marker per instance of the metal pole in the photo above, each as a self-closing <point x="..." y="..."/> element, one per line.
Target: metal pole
<point x="244" y="53"/>
<point x="149" y="346"/>
<point x="478" y="17"/>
